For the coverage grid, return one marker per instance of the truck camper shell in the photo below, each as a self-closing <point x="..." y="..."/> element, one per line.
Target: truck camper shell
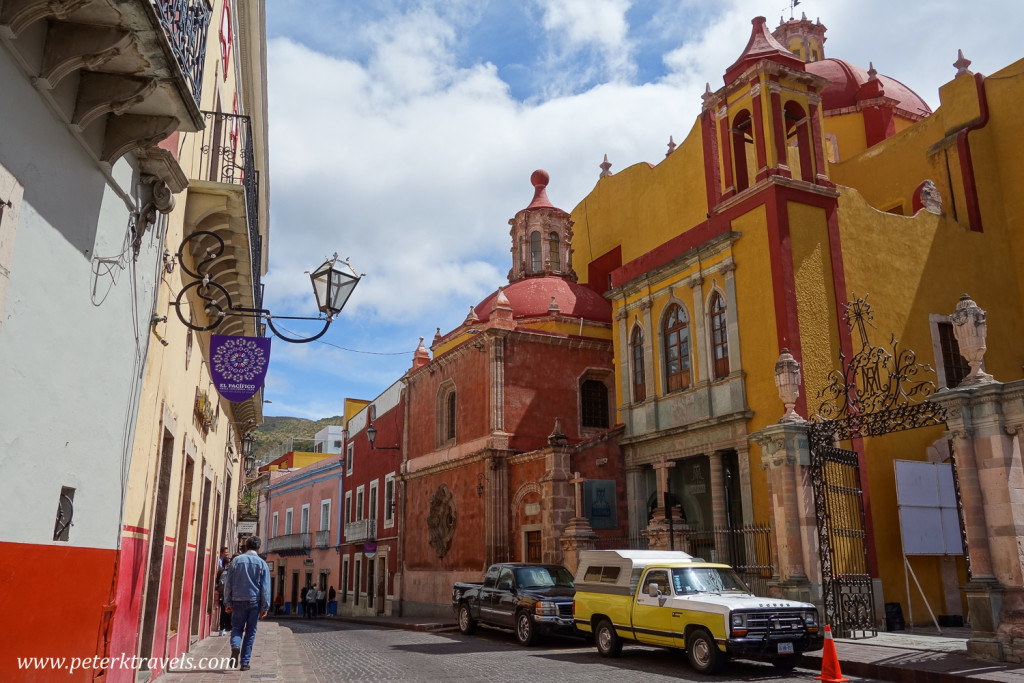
<point x="619" y="571"/>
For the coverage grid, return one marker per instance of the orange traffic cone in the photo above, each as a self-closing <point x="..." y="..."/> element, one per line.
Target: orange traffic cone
<point x="830" y="672"/>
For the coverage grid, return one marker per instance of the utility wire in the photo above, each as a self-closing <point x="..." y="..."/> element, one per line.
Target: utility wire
<point x="370" y="353"/>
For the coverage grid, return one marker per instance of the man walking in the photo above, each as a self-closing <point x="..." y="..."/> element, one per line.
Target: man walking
<point x="247" y="592"/>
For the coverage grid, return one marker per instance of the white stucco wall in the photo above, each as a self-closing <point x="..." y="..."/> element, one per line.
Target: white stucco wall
<point x="75" y="327"/>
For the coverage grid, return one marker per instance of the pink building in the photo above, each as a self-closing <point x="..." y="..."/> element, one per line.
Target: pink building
<point x="370" y="550"/>
<point x="304" y="531"/>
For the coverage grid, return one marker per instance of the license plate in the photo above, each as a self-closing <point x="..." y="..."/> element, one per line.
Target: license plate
<point x="785" y="648"/>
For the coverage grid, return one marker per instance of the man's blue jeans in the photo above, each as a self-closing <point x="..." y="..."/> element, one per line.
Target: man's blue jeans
<point x="244" y="616"/>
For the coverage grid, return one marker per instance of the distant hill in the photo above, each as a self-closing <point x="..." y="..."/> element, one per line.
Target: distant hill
<point x="276" y="430"/>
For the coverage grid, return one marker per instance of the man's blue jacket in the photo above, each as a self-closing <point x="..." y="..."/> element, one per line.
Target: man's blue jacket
<point x="248" y="581"/>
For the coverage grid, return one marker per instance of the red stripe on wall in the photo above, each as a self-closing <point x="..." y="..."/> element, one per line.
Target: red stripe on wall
<point x="136" y="529"/>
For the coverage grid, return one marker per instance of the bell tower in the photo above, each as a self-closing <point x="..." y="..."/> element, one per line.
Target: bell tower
<point x="765" y="121"/>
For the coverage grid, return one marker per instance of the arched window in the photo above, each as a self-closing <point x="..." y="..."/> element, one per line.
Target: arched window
<point x="676" y="335"/>
<point x="742" y="135"/>
<point x="719" y="338"/>
<point x="556" y="262"/>
<point x="798" y="126"/>
<point x="594" y="404"/>
<point x="445" y="414"/>
<point x="636" y="346"/>
<point x="535" y="257"/>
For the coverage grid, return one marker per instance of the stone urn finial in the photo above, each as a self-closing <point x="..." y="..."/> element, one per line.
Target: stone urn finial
<point x="787" y="379"/>
<point x="970" y="329"/>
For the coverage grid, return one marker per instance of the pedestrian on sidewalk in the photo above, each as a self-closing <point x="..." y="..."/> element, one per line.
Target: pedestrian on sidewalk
<point x="311" y="603"/>
<point x="332" y="601"/>
<point x="302" y="602"/>
<point x="225" y="614"/>
<point x="247" y="591"/>
<point x="321" y="602"/>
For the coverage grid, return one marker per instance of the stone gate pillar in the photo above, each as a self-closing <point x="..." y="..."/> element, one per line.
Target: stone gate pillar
<point x="985" y="419"/>
<point x="785" y="457"/>
<point x="556" y="494"/>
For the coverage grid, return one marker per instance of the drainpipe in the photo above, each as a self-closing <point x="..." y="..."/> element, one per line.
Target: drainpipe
<point x="963" y="146"/>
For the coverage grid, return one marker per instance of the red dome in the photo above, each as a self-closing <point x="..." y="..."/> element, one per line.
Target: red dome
<point x="846" y="79"/>
<point x="531" y="298"/>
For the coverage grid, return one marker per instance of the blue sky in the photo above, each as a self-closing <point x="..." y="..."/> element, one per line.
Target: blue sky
<point x="403" y="136"/>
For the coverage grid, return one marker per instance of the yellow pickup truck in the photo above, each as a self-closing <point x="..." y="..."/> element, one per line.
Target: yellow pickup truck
<point x="675" y="600"/>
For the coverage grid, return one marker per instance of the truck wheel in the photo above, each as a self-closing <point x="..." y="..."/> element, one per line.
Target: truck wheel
<point x="607" y="640"/>
<point x="525" y="632"/>
<point x="787" y="663"/>
<point x="467" y="624"/>
<point x="704" y="654"/>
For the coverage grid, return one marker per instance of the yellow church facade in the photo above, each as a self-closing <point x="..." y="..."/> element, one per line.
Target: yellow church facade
<point x="817" y="209"/>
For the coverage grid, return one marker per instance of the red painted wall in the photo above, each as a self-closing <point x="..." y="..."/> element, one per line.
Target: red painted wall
<point x="469" y="370"/>
<point x="130" y="583"/>
<point x="65" y="625"/>
<point x="467" y="547"/>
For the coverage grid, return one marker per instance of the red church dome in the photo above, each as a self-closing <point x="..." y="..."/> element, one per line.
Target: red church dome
<point x="846" y="80"/>
<point x="531" y="298"/>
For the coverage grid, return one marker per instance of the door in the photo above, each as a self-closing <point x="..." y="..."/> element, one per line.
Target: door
<point x="503" y="599"/>
<point x="371" y="585"/>
<point x="295" y="591"/>
<point x="652" y="621"/>
<point x="381" y="584"/>
<point x="533" y="553"/>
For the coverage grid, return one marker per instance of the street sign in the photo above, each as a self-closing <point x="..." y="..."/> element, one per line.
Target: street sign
<point x="246" y="528"/>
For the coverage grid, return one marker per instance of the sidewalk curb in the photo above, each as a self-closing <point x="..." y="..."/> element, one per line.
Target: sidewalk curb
<point x="427" y="627"/>
<point x="884" y="672"/>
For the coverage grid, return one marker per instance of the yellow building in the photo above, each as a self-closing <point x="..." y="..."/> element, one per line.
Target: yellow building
<point x="807" y="183"/>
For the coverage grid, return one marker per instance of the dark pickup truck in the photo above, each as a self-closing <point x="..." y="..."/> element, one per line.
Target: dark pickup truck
<point x="530" y="599"/>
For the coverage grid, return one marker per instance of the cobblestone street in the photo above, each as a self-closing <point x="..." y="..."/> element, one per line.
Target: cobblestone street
<point x="326" y="651"/>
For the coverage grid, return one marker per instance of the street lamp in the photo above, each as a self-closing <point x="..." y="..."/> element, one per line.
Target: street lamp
<point x="332" y="286"/>
<point x="249" y="460"/>
<point x="371" y="435"/>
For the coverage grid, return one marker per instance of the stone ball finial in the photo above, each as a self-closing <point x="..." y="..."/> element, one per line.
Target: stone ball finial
<point x="540" y="178"/>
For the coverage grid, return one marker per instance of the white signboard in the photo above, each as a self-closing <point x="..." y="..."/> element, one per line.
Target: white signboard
<point x="929" y="523"/>
<point x="246" y="528"/>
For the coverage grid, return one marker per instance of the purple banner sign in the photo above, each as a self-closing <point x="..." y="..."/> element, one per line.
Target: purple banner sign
<point x="239" y="365"/>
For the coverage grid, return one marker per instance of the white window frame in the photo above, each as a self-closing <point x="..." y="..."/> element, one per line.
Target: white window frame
<point x="389" y="508"/>
<point x="360" y="502"/>
<point x="325" y="514"/>
<point x="348" y="507"/>
<point x="304" y="519"/>
<point x="289" y="519"/>
<point x="350" y="456"/>
<point x="273" y="528"/>
<point x="373" y="499"/>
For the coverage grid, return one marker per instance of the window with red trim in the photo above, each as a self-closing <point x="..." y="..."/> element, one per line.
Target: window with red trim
<point x="226" y="37"/>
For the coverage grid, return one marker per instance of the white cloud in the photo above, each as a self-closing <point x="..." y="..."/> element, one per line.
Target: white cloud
<point x="411" y="162"/>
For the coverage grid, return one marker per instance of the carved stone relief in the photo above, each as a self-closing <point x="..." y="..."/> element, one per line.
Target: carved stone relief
<point x="441" y="520"/>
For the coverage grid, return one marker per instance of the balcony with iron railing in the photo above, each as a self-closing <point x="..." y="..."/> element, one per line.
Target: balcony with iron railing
<point x="185" y="23"/>
<point x="361" y="530"/>
<point x="121" y="74"/>
<point x="323" y="538"/>
<point x="290" y="544"/>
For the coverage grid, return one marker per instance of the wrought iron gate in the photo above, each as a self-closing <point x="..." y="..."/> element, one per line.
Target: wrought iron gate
<point x="878" y="391"/>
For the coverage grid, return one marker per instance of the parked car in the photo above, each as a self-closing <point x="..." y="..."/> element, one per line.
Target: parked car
<point x="672" y="599"/>
<point x="531" y="599"/>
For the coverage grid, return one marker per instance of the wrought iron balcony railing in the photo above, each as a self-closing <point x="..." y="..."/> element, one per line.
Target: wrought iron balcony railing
<point x="362" y="530"/>
<point x="290" y="543"/>
<point x="226" y="156"/>
<point x="186" y="22"/>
